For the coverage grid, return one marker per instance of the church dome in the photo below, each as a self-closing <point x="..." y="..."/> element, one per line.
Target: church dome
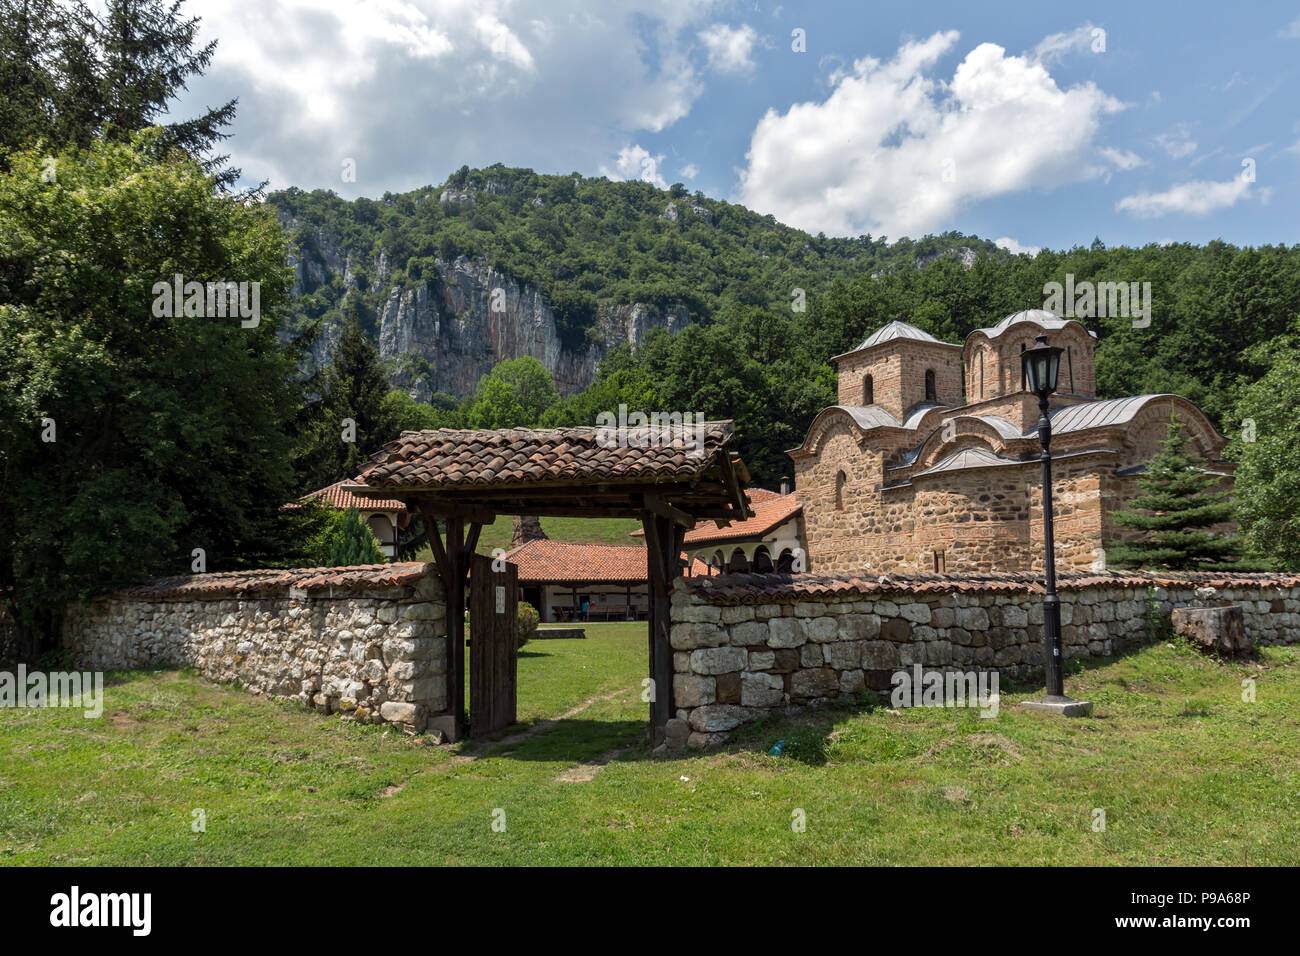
<point x="1047" y="321"/>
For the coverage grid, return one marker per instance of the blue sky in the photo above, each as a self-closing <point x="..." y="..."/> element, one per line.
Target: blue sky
<point x="1037" y="124"/>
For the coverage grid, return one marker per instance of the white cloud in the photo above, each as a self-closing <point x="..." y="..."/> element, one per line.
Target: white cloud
<point x="1015" y="248"/>
<point x="1195" y="198"/>
<point x="636" y="162"/>
<point x="892" y="150"/>
<point x="1177" y="143"/>
<point x="1122" y="158"/>
<point x="1291" y="31"/>
<point x="690" y="171"/>
<point x="412" y="89"/>
<point x="731" y="49"/>
<point x="1055" y="47"/>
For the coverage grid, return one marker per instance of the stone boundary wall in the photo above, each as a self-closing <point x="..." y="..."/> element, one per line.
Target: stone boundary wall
<point x="366" y="642"/>
<point x="747" y="644"/>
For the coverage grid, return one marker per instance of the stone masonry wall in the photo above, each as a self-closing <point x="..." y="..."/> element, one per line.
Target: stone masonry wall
<point x="368" y="643"/>
<point x="744" y="645"/>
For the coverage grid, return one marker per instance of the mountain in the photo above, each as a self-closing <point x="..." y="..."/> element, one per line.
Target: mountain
<point x="499" y="263"/>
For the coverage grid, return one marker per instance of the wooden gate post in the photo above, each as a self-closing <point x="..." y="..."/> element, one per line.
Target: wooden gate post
<point x="664" y="536"/>
<point x="452" y="559"/>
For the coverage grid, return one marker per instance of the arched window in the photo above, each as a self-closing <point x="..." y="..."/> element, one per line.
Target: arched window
<point x="762" y="560"/>
<point x="382" y="529"/>
<point x="738" y="564"/>
<point x="868" y="390"/>
<point x="785" y="563"/>
<point x="718" y="561"/>
<point x="931" y="395"/>
<point x="840" y="479"/>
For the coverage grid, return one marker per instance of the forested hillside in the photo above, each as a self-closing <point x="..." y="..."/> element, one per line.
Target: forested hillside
<point x="747" y="344"/>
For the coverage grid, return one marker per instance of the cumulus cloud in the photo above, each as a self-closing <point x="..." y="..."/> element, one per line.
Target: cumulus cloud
<point x="411" y="89"/>
<point x="1015" y="248"/>
<point x="636" y="162"/>
<point x="731" y="49"/>
<point x="1196" y="198"/>
<point x="690" y="171"/>
<point x="896" y="151"/>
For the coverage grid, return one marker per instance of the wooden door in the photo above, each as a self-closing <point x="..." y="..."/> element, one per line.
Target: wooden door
<point x="493" y="645"/>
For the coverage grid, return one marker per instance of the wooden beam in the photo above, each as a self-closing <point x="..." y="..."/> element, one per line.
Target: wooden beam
<point x="664" y="510"/>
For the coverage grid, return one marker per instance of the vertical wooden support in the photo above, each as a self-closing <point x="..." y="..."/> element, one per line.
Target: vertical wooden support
<point x="452" y="558"/>
<point x="664" y="539"/>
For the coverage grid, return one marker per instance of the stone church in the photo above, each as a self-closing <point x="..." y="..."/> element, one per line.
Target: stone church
<point x="930" y="461"/>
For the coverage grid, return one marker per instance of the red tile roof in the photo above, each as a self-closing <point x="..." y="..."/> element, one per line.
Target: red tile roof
<point x="786" y="588"/>
<point x="337" y="496"/>
<point x="560" y="562"/>
<point x="771" y="510"/>
<point x="447" y="457"/>
<point x="769" y="513"/>
<point x="278" y="581"/>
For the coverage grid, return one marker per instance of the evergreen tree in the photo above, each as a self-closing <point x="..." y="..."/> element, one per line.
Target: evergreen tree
<point x="352" y="543"/>
<point x="1176" y="505"/>
<point x="355" y="390"/>
<point x="69" y="76"/>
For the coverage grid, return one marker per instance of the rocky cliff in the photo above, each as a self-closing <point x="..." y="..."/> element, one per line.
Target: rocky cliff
<point x="443" y="333"/>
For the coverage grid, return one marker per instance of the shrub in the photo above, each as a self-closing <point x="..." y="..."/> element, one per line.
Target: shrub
<point x="528" y="620"/>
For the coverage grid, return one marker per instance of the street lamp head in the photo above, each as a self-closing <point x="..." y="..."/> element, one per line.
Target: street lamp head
<point x="1041" y="365"/>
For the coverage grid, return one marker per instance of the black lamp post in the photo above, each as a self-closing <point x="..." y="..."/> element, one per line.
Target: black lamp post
<point x="1041" y="365"/>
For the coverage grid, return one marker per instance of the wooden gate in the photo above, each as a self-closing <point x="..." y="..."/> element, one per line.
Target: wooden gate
<point x="493" y="645"/>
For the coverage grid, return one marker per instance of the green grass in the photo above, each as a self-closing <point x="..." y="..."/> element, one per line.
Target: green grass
<point x="1186" y="771"/>
<point x="574" y="530"/>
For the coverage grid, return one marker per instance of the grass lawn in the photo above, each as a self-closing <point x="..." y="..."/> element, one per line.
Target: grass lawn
<point x="1185" y="771"/>
<point x="573" y="530"/>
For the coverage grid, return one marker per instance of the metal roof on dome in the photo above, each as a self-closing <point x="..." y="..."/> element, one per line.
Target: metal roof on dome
<point x="969" y="458"/>
<point x="914" y="417"/>
<point x="1003" y="426"/>
<point x="894" y="331"/>
<point x="871" y="416"/>
<point x="1112" y="411"/>
<point x="1048" y="321"/>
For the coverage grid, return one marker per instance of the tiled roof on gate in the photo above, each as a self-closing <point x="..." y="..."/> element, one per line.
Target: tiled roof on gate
<point x="732" y="589"/>
<point x="447" y="457"/>
<point x="338" y="496"/>
<point x="544" y="561"/>
<point x="275" y="581"/>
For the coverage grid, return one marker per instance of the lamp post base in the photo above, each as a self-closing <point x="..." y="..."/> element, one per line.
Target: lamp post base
<point x="1060" y="706"/>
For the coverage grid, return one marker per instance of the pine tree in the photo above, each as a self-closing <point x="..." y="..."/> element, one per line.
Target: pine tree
<point x="1176" y="505"/>
<point x="354" y="389"/>
<point x="353" y="543"/>
<point x="69" y="76"/>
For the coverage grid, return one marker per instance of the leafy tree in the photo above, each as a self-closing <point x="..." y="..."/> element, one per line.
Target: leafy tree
<point x="1267" y="444"/>
<point x="1174" y="509"/>
<point x="514" y="394"/>
<point x="132" y="434"/>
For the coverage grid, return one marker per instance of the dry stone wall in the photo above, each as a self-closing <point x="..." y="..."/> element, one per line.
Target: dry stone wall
<point x="744" y="645"/>
<point x="368" y="643"/>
